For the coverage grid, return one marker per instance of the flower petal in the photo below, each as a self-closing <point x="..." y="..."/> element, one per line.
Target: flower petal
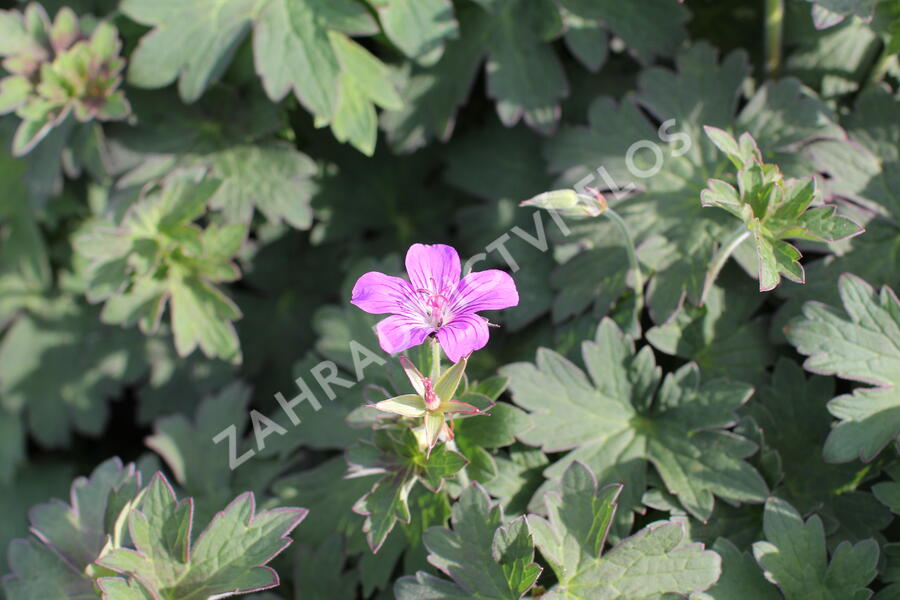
<point x="463" y="335"/>
<point x="379" y="294"/>
<point x="484" y="290"/>
<point x="399" y="332"/>
<point x="433" y="267"/>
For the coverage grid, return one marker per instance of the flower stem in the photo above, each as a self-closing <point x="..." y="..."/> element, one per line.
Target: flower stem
<point x="435" y="360"/>
<point x="725" y="251"/>
<point x="881" y="66"/>
<point x="632" y="257"/>
<point x="774" y="28"/>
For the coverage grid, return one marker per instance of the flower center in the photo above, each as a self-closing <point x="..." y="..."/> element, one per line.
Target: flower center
<point x="436" y="304"/>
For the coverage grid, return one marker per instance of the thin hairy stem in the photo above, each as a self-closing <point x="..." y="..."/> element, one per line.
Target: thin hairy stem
<point x="632" y="257"/>
<point x="734" y="240"/>
<point x="435" y="359"/>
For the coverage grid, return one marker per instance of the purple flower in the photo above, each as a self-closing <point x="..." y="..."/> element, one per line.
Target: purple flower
<point x="434" y="301"/>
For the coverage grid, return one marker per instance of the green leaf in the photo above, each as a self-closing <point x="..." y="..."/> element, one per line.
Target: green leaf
<point x="517" y="477"/>
<point x="653" y="562"/>
<point x="442" y="464"/>
<point x="498" y="428"/>
<point x="320" y="572"/>
<point x="382" y="506"/>
<point x="861" y="8"/>
<point x="34" y="482"/>
<point x="229" y="556"/>
<point x="123" y="589"/>
<point x="304" y="30"/>
<point x="60" y="365"/>
<point x="888" y="492"/>
<point x="725" y="337"/>
<point x="418" y="28"/>
<point x="866" y="172"/>
<point x="794" y="557"/>
<point x="586" y="40"/>
<point x="274" y="179"/>
<point x="741" y="576"/>
<point x="14" y="92"/>
<point x="363" y="81"/>
<point x="652" y="29"/>
<point x="398" y="456"/>
<point x="198" y="464"/>
<point x="79" y="532"/>
<point x="39" y="573"/>
<point x="656" y="191"/>
<point x="596" y="277"/>
<point x="524" y="76"/>
<point x="832" y="60"/>
<point x="789" y="411"/>
<point x="157" y="256"/>
<point x="70" y="538"/>
<point x="860" y="344"/>
<point x="14" y="37"/>
<point x="432" y="96"/>
<point x="773" y="209"/>
<point x="333" y="77"/>
<point x="627" y="414"/>
<point x="485" y="559"/>
<point x="201" y="317"/>
<point x="191" y="41"/>
<point x="328" y="495"/>
<point x="29" y="134"/>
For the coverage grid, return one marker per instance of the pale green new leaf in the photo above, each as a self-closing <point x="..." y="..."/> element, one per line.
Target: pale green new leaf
<point x="122" y="589"/>
<point x="158" y="256"/>
<point x="626" y="415"/>
<point x="860" y="343"/>
<point x="273" y="178"/>
<point x="794" y="557"/>
<point x="773" y="209"/>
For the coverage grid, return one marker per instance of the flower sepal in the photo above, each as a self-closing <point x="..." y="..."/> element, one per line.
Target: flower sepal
<point x="433" y="402"/>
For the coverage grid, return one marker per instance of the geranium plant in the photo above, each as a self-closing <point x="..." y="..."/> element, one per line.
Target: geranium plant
<point x="450" y="299"/>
